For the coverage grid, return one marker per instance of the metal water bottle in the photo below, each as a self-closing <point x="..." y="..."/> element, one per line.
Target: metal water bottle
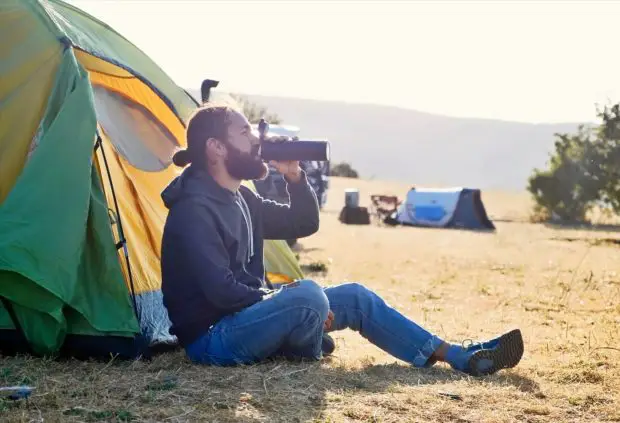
<point x="292" y="150"/>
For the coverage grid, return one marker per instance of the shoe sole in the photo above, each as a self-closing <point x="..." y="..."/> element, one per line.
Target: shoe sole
<point x="507" y="354"/>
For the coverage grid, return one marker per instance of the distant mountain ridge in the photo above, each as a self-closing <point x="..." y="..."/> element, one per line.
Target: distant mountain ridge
<point x="420" y="148"/>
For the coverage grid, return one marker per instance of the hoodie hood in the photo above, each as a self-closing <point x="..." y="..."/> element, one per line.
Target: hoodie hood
<point x="197" y="185"/>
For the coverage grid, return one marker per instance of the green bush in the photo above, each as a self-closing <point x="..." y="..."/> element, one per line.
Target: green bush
<point x="344" y="170"/>
<point x="583" y="171"/>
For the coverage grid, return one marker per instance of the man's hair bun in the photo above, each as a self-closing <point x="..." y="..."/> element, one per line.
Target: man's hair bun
<point x="181" y="158"/>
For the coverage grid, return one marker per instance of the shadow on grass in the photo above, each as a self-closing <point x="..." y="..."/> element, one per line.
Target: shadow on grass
<point x="172" y="389"/>
<point x="581" y="226"/>
<point x="299" y="248"/>
<point x="282" y="391"/>
<point x="612" y="242"/>
<point x="483" y="231"/>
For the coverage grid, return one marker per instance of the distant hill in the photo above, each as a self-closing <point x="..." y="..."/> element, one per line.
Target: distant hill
<point x="420" y="148"/>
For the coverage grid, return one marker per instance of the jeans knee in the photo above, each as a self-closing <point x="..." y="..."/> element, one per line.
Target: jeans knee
<point x="359" y="294"/>
<point x="309" y="294"/>
<point x="358" y="290"/>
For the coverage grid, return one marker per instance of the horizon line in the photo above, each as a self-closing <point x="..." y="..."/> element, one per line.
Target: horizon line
<point x="391" y="106"/>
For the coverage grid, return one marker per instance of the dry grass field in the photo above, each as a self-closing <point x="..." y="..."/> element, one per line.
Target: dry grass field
<point x="560" y="286"/>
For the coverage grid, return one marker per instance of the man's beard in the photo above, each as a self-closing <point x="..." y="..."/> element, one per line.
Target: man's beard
<point x="245" y="166"/>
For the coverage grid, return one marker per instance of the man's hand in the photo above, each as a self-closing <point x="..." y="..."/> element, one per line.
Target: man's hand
<point x="330" y="319"/>
<point x="289" y="169"/>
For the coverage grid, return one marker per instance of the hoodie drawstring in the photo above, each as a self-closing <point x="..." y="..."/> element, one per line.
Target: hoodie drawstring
<point x="245" y="211"/>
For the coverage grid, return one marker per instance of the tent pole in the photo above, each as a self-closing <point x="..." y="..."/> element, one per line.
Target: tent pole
<point x="123" y="240"/>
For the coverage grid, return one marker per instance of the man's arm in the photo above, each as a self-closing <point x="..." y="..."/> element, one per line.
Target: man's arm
<point x="205" y="261"/>
<point x="298" y="219"/>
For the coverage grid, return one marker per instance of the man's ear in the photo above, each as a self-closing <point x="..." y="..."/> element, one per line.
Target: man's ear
<point x="215" y="147"/>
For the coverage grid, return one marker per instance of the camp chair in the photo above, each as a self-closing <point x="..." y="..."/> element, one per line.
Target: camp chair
<point x="382" y="206"/>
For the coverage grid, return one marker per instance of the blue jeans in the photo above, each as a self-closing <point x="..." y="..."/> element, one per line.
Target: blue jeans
<point x="289" y="322"/>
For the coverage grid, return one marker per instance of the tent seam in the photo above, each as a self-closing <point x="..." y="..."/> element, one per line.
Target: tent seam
<point x="144" y="80"/>
<point x="140" y="77"/>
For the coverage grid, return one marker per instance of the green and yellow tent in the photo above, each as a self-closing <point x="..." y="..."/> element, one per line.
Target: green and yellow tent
<point x="88" y="125"/>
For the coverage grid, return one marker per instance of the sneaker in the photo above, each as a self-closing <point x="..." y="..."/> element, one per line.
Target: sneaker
<point x="327" y="345"/>
<point x="485" y="358"/>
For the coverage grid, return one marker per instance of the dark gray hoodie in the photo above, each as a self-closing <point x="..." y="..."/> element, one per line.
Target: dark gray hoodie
<point x="212" y="246"/>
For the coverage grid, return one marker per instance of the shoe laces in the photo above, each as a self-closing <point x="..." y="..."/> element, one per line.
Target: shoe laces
<point x="469" y="343"/>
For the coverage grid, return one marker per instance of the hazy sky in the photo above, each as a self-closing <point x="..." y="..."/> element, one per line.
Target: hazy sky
<point x="518" y="60"/>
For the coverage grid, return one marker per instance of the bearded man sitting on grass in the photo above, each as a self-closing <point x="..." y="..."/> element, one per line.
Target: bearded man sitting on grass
<point x="213" y="272"/>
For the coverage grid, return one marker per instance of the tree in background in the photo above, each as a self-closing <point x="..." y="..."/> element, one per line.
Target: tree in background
<point x="609" y="156"/>
<point x="255" y="112"/>
<point x="344" y="170"/>
<point x="583" y="171"/>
